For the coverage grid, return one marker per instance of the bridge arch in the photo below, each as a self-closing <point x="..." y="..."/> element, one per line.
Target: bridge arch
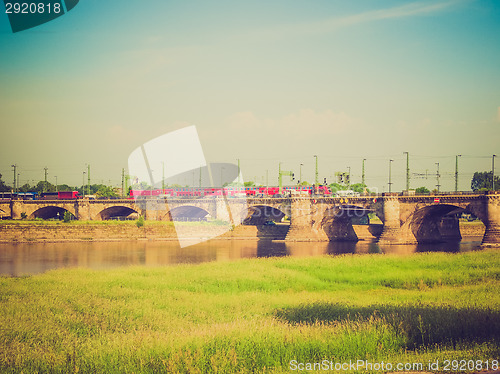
<point x="4" y="213"/>
<point x="436" y="222"/>
<point x="117" y="211"/>
<point x="50" y="212"/>
<point x="338" y="220"/>
<point x="189" y="213"/>
<point x="260" y="214"/>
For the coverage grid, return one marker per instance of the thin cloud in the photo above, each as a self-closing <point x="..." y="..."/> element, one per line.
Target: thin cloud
<point x="332" y="24"/>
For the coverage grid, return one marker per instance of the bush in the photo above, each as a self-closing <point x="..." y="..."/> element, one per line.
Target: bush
<point x="140" y="221"/>
<point x="23" y="215"/>
<point x="422" y="190"/>
<point x="67" y="216"/>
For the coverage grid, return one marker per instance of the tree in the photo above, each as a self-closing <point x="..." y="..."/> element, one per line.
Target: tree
<point x="249" y="184"/>
<point x="359" y="187"/>
<point x="482" y="181"/>
<point x="65" y="187"/>
<point x="334" y="187"/>
<point x="25" y="188"/>
<point x="422" y="190"/>
<point x="106" y="191"/>
<point x="3" y="186"/>
<point x="43" y="187"/>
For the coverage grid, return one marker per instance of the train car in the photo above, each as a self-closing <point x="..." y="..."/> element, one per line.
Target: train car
<point x="19" y="195"/>
<point x="231" y="191"/>
<point x="63" y="195"/>
<point x="49" y="196"/>
<point x="60" y="195"/>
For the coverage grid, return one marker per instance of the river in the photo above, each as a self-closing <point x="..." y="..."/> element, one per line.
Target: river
<point x="33" y="258"/>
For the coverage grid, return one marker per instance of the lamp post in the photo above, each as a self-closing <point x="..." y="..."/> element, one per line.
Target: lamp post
<point x="390" y="175"/>
<point x="56" y="183"/>
<point x="15" y="174"/>
<point x="300" y="174"/>
<point x="349" y="176"/>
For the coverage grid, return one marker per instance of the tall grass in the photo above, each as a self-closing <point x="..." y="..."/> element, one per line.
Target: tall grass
<point x="252" y="315"/>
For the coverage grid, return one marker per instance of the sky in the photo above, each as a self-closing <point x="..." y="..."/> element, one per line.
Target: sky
<point x="263" y="82"/>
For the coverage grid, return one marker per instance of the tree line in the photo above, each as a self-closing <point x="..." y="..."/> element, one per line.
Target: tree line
<point x="481" y="181"/>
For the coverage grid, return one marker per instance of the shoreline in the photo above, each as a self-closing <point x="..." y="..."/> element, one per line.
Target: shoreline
<point x="99" y="231"/>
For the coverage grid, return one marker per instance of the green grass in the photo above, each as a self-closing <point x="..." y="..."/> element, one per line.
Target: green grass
<point x="253" y="315"/>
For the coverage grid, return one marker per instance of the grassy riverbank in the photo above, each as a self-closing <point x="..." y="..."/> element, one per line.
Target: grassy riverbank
<point x="253" y="315"/>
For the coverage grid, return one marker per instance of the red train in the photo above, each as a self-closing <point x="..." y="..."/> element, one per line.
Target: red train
<point x="61" y="195"/>
<point x="232" y="191"/>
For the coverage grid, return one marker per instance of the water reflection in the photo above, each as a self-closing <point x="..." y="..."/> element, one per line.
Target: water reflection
<point x="269" y="248"/>
<point x="32" y="258"/>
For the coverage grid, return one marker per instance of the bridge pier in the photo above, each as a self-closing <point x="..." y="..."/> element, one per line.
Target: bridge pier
<point x="391" y="233"/>
<point x="16" y="208"/>
<point x="492" y="233"/>
<point x="306" y="221"/>
<point x="82" y="209"/>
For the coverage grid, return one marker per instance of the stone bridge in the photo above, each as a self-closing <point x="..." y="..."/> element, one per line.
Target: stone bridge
<point x="406" y="219"/>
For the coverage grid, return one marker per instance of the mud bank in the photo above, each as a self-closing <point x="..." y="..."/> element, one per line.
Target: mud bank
<point x="60" y="232"/>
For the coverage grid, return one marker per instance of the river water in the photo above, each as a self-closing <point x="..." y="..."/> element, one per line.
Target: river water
<point x="32" y="258"/>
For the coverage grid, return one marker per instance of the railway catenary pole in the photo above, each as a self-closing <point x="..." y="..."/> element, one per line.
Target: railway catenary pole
<point x="390" y="175"/>
<point x="238" y="171"/>
<point x="407" y="171"/>
<point x="163" y="176"/>
<point x="437" y="177"/>
<point x="363" y="172"/>
<point x="46" y="188"/>
<point x="493" y="172"/>
<point x="456" y="172"/>
<point x="83" y="184"/>
<point x="316" y="173"/>
<point x="88" y="179"/>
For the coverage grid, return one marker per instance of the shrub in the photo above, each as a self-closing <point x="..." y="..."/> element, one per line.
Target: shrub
<point x="67" y="216"/>
<point x="140" y="221"/>
<point x="422" y="190"/>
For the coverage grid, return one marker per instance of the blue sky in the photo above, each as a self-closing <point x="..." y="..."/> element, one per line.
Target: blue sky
<point x="265" y="82"/>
